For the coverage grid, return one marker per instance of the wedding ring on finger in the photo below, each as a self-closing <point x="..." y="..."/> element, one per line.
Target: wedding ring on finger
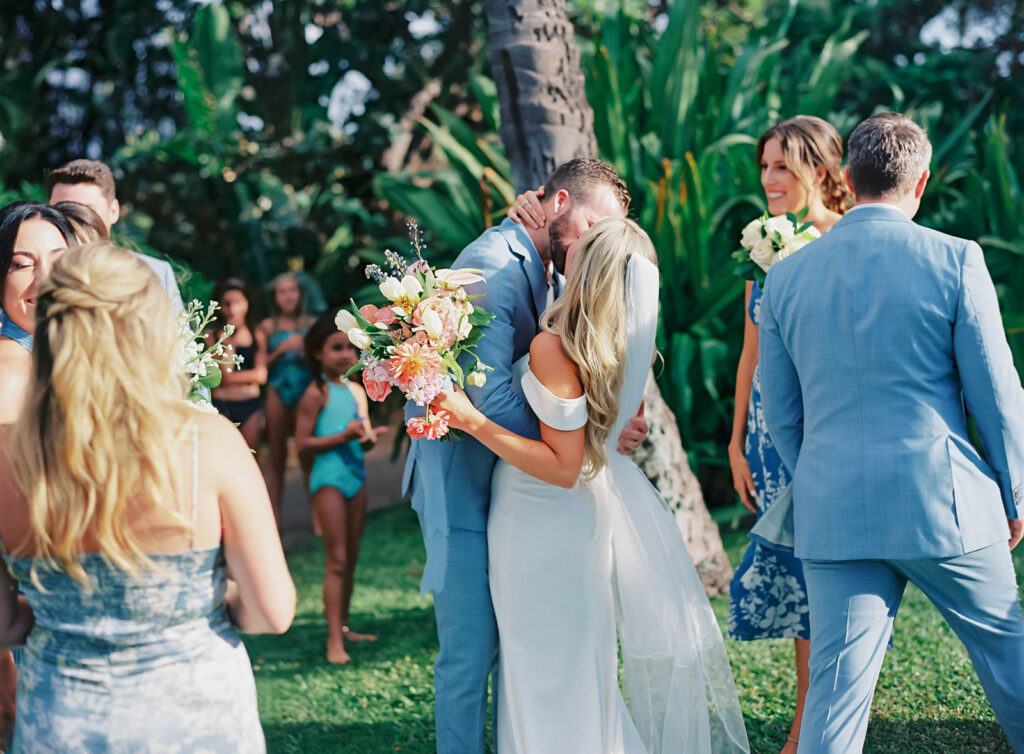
<point x="525" y="203"/>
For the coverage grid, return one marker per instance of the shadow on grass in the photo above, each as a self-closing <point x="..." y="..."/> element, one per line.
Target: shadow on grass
<point x="919" y="736"/>
<point x="898" y="736"/>
<point x="408" y="632"/>
<point x="412" y="736"/>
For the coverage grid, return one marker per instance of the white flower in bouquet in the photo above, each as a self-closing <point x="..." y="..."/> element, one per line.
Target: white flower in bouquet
<point x="781" y="225"/>
<point x="392" y="289"/>
<point x="359" y="338"/>
<point x="767" y="239"/>
<point x="345" y="320"/>
<point x="751" y="234"/>
<point x="761" y="253"/>
<point x="200" y="362"/>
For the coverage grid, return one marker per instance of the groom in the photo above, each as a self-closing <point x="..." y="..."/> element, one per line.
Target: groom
<point x="875" y="340"/>
<point x="450" y="482"/>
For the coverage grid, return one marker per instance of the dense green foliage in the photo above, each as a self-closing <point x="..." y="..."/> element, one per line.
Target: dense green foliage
<point x="928" y="697"/>
<point x="678" y="112"/>
<point x="238" y="149"/>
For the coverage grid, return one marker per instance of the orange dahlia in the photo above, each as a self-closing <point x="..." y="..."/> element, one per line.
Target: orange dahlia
<point x="412" y="360"/>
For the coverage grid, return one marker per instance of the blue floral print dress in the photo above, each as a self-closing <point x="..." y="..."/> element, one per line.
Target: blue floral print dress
<point x="768" y="595"/>
<point x="135" y="664"/>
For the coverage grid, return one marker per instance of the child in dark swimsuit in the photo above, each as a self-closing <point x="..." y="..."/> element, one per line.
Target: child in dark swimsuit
<point x="238" y="396"/>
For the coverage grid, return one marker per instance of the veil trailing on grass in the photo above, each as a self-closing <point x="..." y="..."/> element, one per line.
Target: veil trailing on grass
<point x="678" y="682"/>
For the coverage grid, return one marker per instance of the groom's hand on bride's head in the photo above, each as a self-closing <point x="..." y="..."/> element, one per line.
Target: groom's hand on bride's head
<point x="1016" y="531"/>
<point x="633" y="433"/>
<point x="527" y="210"/>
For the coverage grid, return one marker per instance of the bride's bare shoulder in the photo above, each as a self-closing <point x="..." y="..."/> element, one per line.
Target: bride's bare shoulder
<point x="552" y="366"/>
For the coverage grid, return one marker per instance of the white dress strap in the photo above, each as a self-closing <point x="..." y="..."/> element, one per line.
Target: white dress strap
<point x="195" y="483"/>
<point x="563" y="414"/>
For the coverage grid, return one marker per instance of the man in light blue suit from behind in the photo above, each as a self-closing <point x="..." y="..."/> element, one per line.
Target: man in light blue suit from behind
<point x="450" y="482"/>
<point x="876" y="341"/>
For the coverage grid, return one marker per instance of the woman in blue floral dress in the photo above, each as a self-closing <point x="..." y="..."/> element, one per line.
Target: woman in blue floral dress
<point x="138" y="527"/>
<point x="800" y="161"/>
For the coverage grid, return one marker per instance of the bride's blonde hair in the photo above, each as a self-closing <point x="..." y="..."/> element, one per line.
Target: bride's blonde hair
<point x="104" y="419"/>
<point x="590" y="318"/>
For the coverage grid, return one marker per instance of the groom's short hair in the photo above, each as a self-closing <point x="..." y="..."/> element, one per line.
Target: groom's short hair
<point x="888" y="154"/>
<point x="581" y="176"/>
<point x="86" y="171"/>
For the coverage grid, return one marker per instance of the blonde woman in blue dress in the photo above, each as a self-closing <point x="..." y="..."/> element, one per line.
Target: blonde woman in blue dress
<point x="138" y="527"/>
<point x="580" y="544"/>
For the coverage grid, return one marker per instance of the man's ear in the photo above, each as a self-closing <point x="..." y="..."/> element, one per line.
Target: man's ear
<point x="921" y="183"/>
<point x="115" y="212"/>
<point x="560" y="202"/>
<point x="849" y="183"/>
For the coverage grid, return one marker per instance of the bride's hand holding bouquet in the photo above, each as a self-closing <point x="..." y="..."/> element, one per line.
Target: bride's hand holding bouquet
<point x="416" y="340"/>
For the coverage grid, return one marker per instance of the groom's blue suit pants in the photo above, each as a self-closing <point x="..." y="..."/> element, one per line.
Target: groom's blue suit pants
<point x="853" y="604"/>
<point x="468" y="637"/>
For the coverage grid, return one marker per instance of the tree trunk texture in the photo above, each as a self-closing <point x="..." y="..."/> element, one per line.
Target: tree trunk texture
<point x="545" y="117"/>
<point x="662" y="459"/>
<point x="545" y="121"/>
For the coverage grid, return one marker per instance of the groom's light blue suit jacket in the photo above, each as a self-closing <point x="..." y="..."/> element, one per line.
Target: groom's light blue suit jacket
<point x="874" y="340"/>
<point x="450" y="482"/>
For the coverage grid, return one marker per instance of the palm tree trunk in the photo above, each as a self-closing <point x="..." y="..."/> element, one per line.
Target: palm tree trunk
<point x="545" y="117"/>
<point x="545" y="121"/>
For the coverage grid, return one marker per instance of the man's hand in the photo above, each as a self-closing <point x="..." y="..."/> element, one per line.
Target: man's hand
<point x="1016" y="531"/>
<point x="633" y="433"/>
<point x="8" y="686"/>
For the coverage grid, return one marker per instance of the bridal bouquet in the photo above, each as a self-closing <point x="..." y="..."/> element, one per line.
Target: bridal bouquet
<point x="201" y="361"/>
<point x="768" y="239"/>
<point x="414" y="341"/>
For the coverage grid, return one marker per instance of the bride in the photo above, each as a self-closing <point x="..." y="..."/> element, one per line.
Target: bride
<point x="580" y="542"/>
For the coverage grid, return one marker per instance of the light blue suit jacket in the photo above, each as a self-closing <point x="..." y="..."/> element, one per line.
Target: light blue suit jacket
<point x="165" y="274"/>
<point x="873" y="341"/>
<point x="450" y="482"/>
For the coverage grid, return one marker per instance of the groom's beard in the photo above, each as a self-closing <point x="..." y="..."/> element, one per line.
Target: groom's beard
<point x="558" y="243"/>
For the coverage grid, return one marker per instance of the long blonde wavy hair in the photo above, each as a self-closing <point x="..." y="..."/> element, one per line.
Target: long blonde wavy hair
<point x="107" y="412"/>
<point x="590" y="318"/>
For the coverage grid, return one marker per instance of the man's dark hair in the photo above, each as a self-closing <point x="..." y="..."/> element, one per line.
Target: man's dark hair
<point x="888" y="153"/>
<point x="85" y="171"/>
<point x="14" y="214"/>
<point x="581" y="176"/>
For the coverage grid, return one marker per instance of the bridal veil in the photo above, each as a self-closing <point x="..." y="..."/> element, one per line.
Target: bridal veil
<point x="678" y="682"/>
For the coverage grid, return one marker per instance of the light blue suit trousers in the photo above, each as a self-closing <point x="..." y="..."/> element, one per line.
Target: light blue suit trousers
<point x="450" y="486"/>
<point x="876" y="342"/>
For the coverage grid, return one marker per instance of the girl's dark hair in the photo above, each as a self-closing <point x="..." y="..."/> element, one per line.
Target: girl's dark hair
<point x="316" y="336"/>
<point x="88" y="225"/>
<point x="14" y="214"/>
<point x="231" y="284"/>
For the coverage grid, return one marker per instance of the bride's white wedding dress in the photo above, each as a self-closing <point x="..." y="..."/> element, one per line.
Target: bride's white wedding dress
<point x="569" y="566"/>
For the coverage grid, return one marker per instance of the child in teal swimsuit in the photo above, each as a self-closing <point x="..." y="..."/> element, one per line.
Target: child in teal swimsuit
<point x="332" y="424"/>
<point x="287" y="377"/>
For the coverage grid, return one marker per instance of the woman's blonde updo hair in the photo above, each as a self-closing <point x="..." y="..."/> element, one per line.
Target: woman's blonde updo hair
<point x="809" y="143"/>
<point x="100" y="433"/>
<point x="590" y="318"/>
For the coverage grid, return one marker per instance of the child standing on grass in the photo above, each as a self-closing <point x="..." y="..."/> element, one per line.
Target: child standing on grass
<point x="331" y="424"/>
<point x="238" y="396"/>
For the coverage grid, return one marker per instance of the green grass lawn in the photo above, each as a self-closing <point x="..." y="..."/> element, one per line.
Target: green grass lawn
<point x="928" y="697"/>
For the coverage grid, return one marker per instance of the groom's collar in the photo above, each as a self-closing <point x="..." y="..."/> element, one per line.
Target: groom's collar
<point x="519" y="242"/>
<point x="873" y="211"/>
